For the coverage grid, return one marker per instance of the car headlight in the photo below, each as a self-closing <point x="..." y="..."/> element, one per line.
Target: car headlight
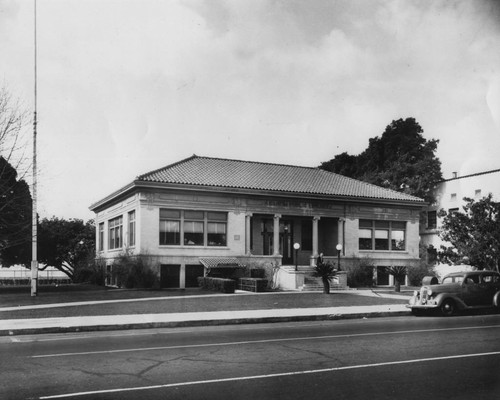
<point x="429" y="292"/>
<point x="415" y="293"/>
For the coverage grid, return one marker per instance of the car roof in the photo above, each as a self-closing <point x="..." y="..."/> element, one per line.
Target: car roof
<point x="472" y="273"/>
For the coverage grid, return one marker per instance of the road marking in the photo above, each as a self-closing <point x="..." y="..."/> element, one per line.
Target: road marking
<point x="85" y="353"/>
<point x="266" y="376"/>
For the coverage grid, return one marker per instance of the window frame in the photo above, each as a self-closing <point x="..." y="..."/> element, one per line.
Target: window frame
<point x="207" y="219"/>
<point x="115" y="233"/>
<point x="131" y="228"/>
<point x="381" y="235"/>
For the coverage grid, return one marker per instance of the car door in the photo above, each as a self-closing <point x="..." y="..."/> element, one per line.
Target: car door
<point x="472" y="291"/>
<point x="490" y="284"/>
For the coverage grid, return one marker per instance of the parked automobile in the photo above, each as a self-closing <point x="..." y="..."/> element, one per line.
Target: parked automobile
<point x="457" y="291"/>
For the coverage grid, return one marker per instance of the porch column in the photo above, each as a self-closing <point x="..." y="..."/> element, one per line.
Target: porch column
<point x="315" y="237"/>
<point x="340" y="233"/>
<point x="276" y="235"/>
<point x="248" y="233"/>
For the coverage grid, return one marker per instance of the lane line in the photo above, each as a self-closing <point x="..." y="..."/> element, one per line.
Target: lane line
<point x="85" y="353"/>
<point x="266" y="376"/>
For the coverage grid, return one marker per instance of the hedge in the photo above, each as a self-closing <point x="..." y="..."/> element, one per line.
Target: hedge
<point x="217" y="284"/>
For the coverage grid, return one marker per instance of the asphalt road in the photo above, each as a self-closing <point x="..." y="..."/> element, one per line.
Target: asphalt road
<point x="381" y="358"/>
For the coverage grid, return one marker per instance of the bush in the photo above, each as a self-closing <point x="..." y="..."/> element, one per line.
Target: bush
<point x="134" y="272"/>
<point x="415" y="274"/>
<point x="217" y="284"/>
<point x="360" y="273"/>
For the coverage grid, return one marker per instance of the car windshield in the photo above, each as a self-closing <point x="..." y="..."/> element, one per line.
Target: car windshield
<point x="453" y="279"/>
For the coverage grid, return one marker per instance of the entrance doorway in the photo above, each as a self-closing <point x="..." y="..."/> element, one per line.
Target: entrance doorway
<point x="285" y="239"/>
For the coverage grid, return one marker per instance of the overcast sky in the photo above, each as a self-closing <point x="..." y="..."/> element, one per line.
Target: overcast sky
<point x="125" y="87"/>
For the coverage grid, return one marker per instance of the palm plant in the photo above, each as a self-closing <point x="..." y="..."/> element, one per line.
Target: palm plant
<point x="326" y="272"/>
<point x="399" y="274"/>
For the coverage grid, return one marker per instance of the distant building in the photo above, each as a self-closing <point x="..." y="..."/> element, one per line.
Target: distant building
<point x="449" y="196"/>
<point x="204" y="213"/>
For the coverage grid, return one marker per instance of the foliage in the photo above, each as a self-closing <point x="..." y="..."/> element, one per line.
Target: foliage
<point x="92" y="272"/>
<point x="401" y="159"/>
<point x="424" y="267"/>
<point x="217" y="284"/>
<point x="325" y="271"/>
<point x="360" y="273"/>
<point x="15" y="198"/>
<point x="67" y="245"/>
<point x="15" y="217"/>
<point x="135" y="272"/>
<point x="473" y="233"/>
<point x="399" y="273"/>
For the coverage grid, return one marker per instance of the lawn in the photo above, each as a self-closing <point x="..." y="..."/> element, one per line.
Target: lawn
<point x="164" y="301"/>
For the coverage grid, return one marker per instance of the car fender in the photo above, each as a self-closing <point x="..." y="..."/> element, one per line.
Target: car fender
<point x="496" y="299"/>
<point x="444" y="296"/>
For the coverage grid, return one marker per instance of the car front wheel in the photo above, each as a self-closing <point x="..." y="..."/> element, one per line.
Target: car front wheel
<point x="448" y="308"/>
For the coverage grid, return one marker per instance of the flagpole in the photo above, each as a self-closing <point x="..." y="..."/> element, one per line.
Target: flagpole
<point x="34" y="238"/>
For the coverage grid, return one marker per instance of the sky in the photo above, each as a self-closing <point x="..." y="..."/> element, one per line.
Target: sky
<point x="128" y="86"/>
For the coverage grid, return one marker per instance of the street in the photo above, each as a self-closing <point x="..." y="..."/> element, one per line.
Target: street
<point x="381" y="358"/>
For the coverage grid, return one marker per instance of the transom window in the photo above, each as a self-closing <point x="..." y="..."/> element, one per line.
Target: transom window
<point x="382" y="235"/>
<point x="193" y="228"/>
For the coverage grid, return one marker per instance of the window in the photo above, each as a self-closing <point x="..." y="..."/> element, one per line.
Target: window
<point x="453" y="210"/>
<point x="453" y="197"/>
<point x="131" y="228"/>
<point x="216" y="228"/>
<point x="116" y="233"/>
<point x="170" y="227"/>
<point x="193" y="228"/>
<point x="382" y="235"/>
<point x="477" y="193"/>
<point x="101" y="237"/>
<point x="431" y="220"/>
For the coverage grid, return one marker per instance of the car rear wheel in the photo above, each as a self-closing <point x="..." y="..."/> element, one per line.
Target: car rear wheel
<point x="448" y="308"/>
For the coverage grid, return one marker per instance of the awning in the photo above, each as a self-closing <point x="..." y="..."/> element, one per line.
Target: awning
<point x="221" y="262"/>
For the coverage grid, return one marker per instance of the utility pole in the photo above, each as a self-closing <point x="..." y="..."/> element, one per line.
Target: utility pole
<point x="34" y="233"/>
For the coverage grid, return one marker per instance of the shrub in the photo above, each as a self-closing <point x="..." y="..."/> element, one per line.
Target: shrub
<point x="134" y="272"/>
<point x="217" y="284"/>
<point x="360" y="273"/>
<point x="415" y="274"/>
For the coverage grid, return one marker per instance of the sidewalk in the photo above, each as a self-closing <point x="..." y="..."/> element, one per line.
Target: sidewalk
<point x="10" y="327"/>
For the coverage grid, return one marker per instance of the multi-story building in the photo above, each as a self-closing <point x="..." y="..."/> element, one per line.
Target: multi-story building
<point x="449" y="196"/>
<point x="205" y="213"/>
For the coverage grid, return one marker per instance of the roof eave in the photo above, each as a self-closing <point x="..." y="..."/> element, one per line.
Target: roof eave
<point x="262" y="192"/>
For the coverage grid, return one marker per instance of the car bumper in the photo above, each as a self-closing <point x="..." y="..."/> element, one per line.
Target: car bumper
<point x="422" y="304"/>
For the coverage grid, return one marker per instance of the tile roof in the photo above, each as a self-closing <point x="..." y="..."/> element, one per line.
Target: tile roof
<point x="226" y="173"/>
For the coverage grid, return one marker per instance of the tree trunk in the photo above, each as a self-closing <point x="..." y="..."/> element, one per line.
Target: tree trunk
<point x="326" y="286"/>
<point x="397" y="285"/>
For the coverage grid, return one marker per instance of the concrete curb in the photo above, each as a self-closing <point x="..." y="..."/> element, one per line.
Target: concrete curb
<point x="63" y="328"/>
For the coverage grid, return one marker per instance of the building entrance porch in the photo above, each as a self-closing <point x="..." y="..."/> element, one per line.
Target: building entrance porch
<point x="275" y="235"/>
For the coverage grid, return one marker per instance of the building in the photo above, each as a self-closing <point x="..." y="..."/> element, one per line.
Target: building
<point x="202" y="213"/>
<point x="449" y="196"/>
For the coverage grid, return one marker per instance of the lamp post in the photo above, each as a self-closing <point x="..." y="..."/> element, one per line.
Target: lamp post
<point x="296" y="246"/>
<point x="339" y="249"/>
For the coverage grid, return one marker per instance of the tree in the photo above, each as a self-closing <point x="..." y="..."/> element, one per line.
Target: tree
<point x="401" y="159"/>
<point x="67" y="245"/>
<point x="326" y="272"/>
<point x="399" y="274"/>
<point x="15" y="198"/>
<point x="473" y="233"/>
<point x="15" y="217"/>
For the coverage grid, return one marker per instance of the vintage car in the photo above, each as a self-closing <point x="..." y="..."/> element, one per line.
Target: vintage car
<point x="457" y="291"/>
